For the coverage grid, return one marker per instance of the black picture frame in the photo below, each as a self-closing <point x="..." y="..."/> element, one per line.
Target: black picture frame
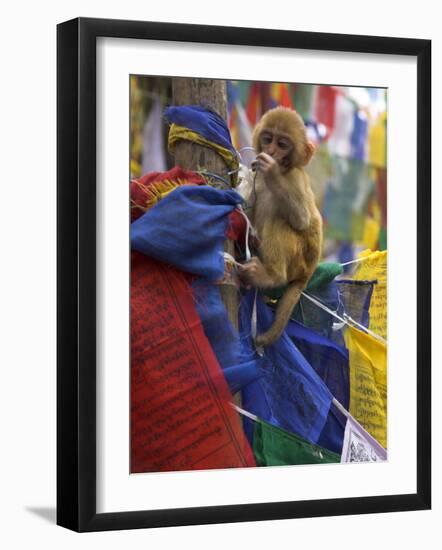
<point x="76" y="274"/>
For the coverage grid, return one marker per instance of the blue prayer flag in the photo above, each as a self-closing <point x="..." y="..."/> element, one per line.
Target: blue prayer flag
<point x="199" y="119"/>
<point x="289" y="394"/>
<point x="187" y="229"/>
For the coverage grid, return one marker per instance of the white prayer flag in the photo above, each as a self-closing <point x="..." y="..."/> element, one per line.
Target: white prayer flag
<point x="154" y="155"/>
<point x="359" y="445"/>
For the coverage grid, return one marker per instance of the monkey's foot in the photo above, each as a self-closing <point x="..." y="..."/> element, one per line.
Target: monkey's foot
<point x="266" y="339"/>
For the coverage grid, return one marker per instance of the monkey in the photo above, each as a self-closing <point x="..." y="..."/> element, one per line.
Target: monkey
<point x="283" y="212"/>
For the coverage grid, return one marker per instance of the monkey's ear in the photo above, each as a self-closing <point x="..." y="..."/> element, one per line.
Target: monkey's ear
<point x="309" y="151"/>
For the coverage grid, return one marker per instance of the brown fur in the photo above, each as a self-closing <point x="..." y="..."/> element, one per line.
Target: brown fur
<point x="286" y="218"/>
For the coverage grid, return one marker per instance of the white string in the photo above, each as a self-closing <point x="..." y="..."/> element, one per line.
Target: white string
<point x="356" y="261"/>
<point x="248" y="230"/>
<point x="346" y="319"/>
<point x="335" y="402"/>
<point x="243" y="412"/>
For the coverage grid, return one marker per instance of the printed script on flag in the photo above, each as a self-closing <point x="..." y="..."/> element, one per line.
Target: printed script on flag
<point x="374" y="267"/>
<point x="368" y="382"/>
<point x="180" y="413"/>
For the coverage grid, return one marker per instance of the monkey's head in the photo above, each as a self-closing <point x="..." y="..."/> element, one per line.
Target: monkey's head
<point x="281" y="134"/>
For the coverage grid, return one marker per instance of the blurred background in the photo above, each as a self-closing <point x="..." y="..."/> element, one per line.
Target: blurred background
<point x="348" y="125"/>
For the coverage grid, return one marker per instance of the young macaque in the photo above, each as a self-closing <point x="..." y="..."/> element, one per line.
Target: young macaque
<point x="284" y="213"/>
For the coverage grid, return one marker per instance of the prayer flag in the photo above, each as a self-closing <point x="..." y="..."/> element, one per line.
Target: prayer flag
<point x="325" y="112"/>
<point x="154" y="157"/>
<point x="339" y="142"/>
<point x="253" y="107"/>
<point x="377" y="150"/>
<point x="368" y="382"/>
<point x="208" y="124"/>
<point x="328" y="359"/>
<point x="359" y="445"/>
<point x="187" y="229"/>
<point x="239" y="368"/>
<point x="346" y="199"/>
<point x="149" y="189"/>
<point x="374" y="268"/>
<point x="274" y="446"/>
<point x="289" y="393"/>
<point x="304" y="100"/>
<point x="181" y="418"/>
<point x="280" y="95"/>
<point x="359" y="136"/>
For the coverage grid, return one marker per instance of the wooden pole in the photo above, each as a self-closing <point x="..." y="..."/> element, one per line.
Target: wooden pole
<point x="192" y="156"/>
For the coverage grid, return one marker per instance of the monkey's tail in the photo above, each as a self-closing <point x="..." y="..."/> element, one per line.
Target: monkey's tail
<point x="283" y="312"/>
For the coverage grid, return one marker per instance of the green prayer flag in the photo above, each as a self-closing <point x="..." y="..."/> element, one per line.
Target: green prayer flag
<point x="274" y="446"/>
<point x="383" y="239"/>
<point x="303" y="100"/>
<point x="323" y="275"/>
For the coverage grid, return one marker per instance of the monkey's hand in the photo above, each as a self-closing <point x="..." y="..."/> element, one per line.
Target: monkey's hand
<point x="269" y="167"/>
<point x="253" y="273"/>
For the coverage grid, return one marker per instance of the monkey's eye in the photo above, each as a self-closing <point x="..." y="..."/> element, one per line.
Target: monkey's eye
<point x="266" y="139"/>
<point x="282" y="144"/>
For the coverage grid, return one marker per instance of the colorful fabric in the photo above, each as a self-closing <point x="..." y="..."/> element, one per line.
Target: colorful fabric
<point x="281" y="96"/>
<point x="330" y="362"/>
<point x="273" y="446"/>
<point x="187" y="229"/>
<point x="343" y="296"/>
<point x="374" y="268"/>
<point x="312" y="316"/>
<point x="304" y="100"/>
<point x="368" y="382"/>
<point x="328" y="359"/>
<point x="149" y="189"/>
<point x="208" y="124"/>
<point x="254" y="107"/>
<point x="346" y="199"/>
<point x="325" y="107"/>
<point x="359" y="136"/>
<point x="372" y="229"/>
<point x="339" y="142"/>
<point x="177" y="133"/>
<point x="322" y="276"/>
<point x="359" y="445"/>
<point x="154" y="154"/>
<point x="289" y="394"/>
<point x="181" y="418"/>
<point x="377" y="139"/>
<point x="355" y="299"/>
<point x="239" y="368"/>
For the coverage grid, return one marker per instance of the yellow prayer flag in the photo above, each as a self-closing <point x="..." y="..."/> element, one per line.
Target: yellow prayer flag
<point x="374" y="267"/>
<point x="372" y="229"/>
<point x="377" y="142"/>
<point x="177" y="133"/>
<point x="368" y="382"/>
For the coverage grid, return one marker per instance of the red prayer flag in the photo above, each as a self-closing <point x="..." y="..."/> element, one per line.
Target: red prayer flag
<point x="181" y="418"/>
<point x="147" y="189"/>
<point x="326" y="107"/>
<point x="253" y="107"/>
<point x="284" y="97"/>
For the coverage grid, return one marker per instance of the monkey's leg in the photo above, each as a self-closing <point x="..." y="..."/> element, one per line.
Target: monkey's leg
<point x="283" y="312"/>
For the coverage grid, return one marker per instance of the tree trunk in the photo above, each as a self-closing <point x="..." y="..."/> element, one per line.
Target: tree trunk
<point x="211" y="94"/>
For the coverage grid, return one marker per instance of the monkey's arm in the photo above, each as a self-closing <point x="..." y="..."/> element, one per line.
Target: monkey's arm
<point x="291" y="192"/>
<point x="293" y="198"/>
